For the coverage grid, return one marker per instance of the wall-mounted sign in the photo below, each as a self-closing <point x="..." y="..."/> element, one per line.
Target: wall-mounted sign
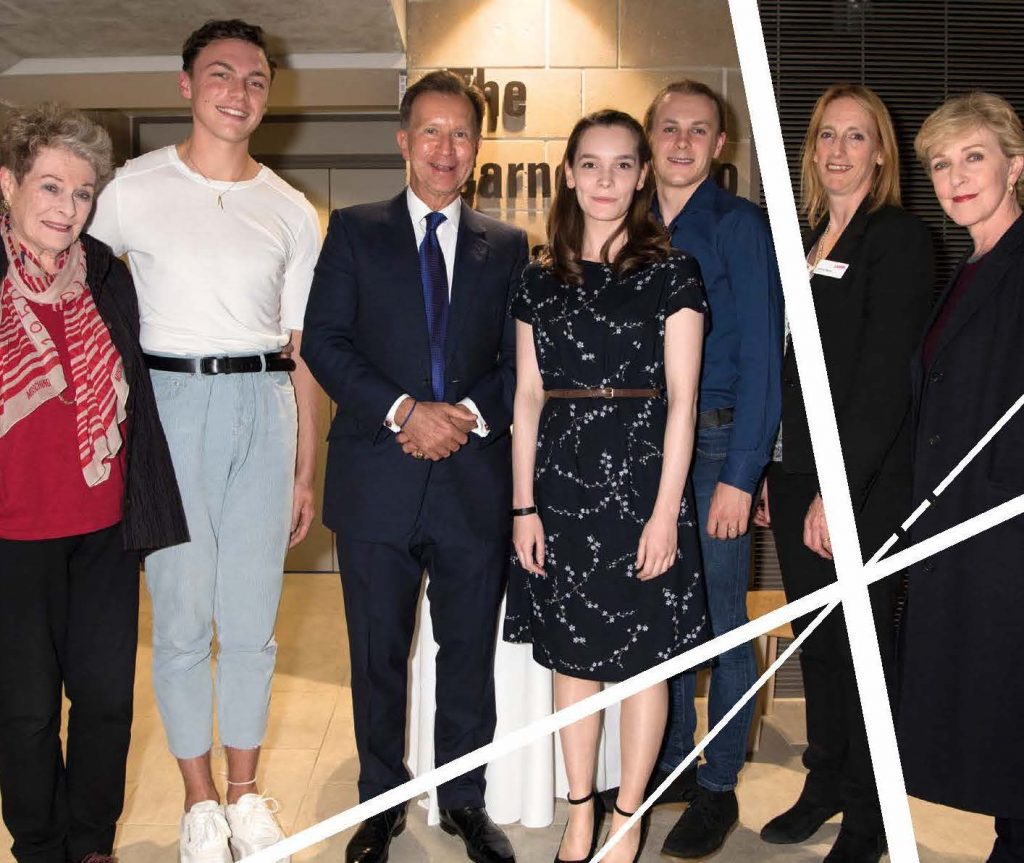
<point x="523" y="185"/>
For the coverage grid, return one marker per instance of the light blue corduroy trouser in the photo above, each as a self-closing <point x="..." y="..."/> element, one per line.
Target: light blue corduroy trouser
<point x="232" y="440"/>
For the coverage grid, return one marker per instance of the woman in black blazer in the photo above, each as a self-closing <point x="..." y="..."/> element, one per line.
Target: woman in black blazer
<point x="871" y="279"/>
<point x="961" y="699"/>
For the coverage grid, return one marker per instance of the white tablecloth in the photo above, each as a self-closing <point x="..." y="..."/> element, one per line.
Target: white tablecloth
<point x="523" y="785"/>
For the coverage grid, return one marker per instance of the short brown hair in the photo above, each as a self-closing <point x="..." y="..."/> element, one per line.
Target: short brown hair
<point x="975" y="110"/>
<point x="885" y="184"/>
<point x="28" y="131"/>
<point x="443" y="81"/>
<point x="215" y="31"/>
<point x="687" y="87"/>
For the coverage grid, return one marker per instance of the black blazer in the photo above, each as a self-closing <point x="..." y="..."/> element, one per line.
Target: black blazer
<point x="869" y="321"/>
<point x="152" y="514"/>
<point x="962" y="686"/>
<point x="365" y="340"/>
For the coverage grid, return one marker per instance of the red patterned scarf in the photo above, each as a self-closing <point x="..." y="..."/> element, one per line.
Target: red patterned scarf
<point x="31" y="372"/>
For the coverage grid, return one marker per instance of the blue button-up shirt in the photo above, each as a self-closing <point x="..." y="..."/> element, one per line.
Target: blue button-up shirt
<point x="742" y="366"/>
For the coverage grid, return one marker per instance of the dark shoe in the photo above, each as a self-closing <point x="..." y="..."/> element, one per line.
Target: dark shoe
<point x="370" y="842"/>
<point x="683" y="790"/>
<point x="702" y="828"/>
<point x="599" y="813"/>
<point x="856" y="848"/>
<point x="798" y="823"/>
<point x="485" y="841"/>
<point x="645" y="823"/>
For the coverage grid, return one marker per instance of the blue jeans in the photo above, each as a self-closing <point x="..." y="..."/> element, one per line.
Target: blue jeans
<point x="726" y="574"/>
<point x="232" y="440"/>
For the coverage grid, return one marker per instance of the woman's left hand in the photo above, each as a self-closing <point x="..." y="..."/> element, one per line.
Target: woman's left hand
<point x="657" y="550"/>
<point x="816" y="536"/>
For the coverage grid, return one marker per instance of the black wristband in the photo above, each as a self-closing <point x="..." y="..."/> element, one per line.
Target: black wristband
<point x="526" y="510"/>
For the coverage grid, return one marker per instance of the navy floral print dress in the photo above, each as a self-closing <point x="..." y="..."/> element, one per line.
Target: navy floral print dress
<point x="596" y="478"/>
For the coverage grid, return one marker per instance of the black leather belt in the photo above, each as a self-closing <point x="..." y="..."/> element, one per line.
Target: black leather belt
<point x="221" y="365"/>
<point x="714" y="418"/>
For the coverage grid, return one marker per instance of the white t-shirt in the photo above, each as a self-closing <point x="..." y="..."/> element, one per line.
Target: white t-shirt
<point x="210" y="281"/>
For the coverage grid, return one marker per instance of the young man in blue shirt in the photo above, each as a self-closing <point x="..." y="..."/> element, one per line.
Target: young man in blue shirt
<point x="739" y="409"/>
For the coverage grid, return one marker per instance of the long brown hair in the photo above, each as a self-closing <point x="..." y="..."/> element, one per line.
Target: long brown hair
<point x="646" y="241"/>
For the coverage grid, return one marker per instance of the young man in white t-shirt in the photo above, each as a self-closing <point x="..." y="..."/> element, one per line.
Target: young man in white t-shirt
<point x="222" y="252"/>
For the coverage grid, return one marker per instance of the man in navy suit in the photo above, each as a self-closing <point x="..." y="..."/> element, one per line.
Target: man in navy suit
<point x="406" y="329"/>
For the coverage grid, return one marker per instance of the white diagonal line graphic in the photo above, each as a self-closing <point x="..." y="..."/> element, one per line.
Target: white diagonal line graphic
<point x="546" y="726"/>
<point x="950" y="536"/>
<point x="713" y="733"/>
<point x="939" y="489"/>
<point x="867" y="663"/>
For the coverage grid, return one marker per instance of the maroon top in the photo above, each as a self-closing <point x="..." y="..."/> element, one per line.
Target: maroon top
<point x="963" y="281"/>
<point x="43" y="494"/>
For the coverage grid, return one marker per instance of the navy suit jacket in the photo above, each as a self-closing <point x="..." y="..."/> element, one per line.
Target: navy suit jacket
<point x="365" y="340"/>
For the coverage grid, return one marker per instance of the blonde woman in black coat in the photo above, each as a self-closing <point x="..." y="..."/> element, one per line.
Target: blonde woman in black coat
<point x="871" y="280"/>
<point x="961" y="705"/>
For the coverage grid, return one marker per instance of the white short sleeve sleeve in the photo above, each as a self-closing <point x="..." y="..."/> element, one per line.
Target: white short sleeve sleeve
<point x="106" y="220"/>
<point x="298" y="275"/>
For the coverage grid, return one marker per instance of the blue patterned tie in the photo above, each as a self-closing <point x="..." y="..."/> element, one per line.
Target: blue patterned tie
<point x="434" y="276"/>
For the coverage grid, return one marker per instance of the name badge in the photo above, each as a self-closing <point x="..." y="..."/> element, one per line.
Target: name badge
<point x="832" y="269"/>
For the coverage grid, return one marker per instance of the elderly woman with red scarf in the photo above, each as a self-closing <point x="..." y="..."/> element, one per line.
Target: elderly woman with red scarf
<point x="86" y="487"/>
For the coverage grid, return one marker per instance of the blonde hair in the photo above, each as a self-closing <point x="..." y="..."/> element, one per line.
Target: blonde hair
<point x="962" y="114"/>
<point x="27" y="131"/>
<point x="885" y="184"/>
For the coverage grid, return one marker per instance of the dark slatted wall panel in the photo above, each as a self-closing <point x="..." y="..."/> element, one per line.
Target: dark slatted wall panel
<point x="766" y="574"/>
<point x="913" y="53"/>
<point x="789" y="682"/>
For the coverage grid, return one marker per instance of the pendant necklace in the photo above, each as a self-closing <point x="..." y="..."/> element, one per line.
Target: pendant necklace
<point x="819" y="252"/>
<point x="195" y="167"/>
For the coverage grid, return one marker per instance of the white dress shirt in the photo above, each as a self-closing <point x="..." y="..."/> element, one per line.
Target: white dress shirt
<point x="447" y="238"/>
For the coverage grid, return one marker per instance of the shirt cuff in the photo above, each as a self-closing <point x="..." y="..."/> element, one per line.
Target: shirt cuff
<point x="389" y="420"/>
<point x="741" y="471"/>
<point x="482" y="429"/>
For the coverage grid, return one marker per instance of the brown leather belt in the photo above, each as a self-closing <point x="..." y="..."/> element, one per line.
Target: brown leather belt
<point x="603" y="393"/>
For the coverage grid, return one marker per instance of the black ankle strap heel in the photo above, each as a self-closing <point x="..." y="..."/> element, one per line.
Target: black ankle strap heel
<point x="645" y="823"/>
<point x="599" y="813"/>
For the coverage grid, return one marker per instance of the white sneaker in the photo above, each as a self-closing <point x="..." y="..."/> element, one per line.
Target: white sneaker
<point x="253" y="825"/>
<point x="204" y="834"/>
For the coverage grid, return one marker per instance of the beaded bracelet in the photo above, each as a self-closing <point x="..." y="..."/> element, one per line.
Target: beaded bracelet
<point x="401" y="425"/>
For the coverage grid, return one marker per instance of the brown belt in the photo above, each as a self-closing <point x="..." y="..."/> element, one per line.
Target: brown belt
<point x="603" y="393"/>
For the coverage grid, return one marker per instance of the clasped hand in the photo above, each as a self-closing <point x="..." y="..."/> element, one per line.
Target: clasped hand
<point x="435" y="430"/>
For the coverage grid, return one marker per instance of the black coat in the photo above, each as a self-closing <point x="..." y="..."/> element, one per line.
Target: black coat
<point x="961" y="706"/>
<point x="153" y="516"/>
<point x="869" y="321"/>
<point x="365" y="341"/>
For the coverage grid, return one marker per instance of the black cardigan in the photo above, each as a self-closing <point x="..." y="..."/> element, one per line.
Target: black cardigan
<point x="152" y="513"/>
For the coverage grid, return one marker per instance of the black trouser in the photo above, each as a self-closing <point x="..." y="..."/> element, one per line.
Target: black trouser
<point x="1009" y="847"/>
<point x="68" y="615"/>
<point x="837" y="758"/>
<point x="381" y="584"/>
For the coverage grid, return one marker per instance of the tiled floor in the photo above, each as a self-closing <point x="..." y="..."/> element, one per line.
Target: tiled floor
<point x="309" y="764"/>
